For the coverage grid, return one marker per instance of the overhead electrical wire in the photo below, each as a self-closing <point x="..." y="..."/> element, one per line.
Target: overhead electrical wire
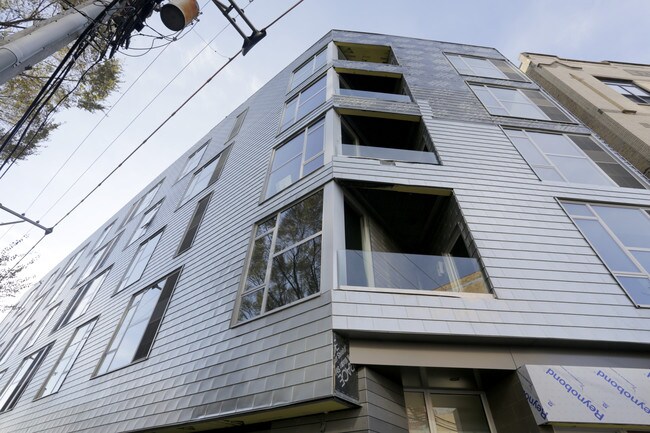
<point x="76" y="206"/>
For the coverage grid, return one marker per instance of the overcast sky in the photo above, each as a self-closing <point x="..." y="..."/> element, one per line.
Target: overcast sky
<point x="581" y="29"/>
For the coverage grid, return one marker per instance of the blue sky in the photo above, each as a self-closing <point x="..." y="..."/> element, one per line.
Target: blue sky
<point x="583" y="29"/>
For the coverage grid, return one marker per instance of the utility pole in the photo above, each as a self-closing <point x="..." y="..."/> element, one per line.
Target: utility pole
<point x="26" y="48"/>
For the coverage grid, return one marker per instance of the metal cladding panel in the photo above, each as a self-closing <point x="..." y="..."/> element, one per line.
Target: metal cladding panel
<point x="547" y="281"/>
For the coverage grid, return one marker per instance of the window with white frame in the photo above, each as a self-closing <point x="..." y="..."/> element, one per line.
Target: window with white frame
<point x="81" y="300"/>
<point x="296" y="158"/>
<point x="527" y="103"/>
<point x="140" y="205"/>
<point x="135" y="335"/>
<point x="304" y="102"/>
<point x="305" y="70"/>
<point x="68" y="357"/>
<point x="285" y="260"/>
<point x="99" y="258"/>
<point x="41" y="326"/>
<point x="206" y="175"/>
<point x="484" y="67"/>
<point x="194" y="159"/>
<point x="628" y="89"/>
<point x="621" y="238"/>
<point x="140" y="260"/>
<point x="18" y="383"/>
<point x="145" y="223"/>
<point x="570" y="158"/>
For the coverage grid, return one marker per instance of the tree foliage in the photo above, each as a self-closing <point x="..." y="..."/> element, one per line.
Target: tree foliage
<point x="12" y="278"/>
<point x="86" y="86"/>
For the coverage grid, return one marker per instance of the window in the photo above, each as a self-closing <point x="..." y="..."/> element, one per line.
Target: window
<point x="621" y="238"/>
<point x="64" y="364"/>
<point x="365" y="53"/>
<point x="284" y="264"/>
<point x="308" y="68"/>
<point x="480" y="67"/>
<point x="104" y="234"/>
<point x="238" y="123"/>
<point x="195" y="222"/>
<point x="81" y="300"/>
<point x="194" y="159"/>
<point x="305" y="102"/>
<point x="140" y="260"/>
<point x="62" y="285"/>
<point x="570" y="158"/>
<point x="297" y="158"/>
<point x="139" y="206"/>
<point x="73" y="261"/>
<point x="41" y="326"/>
<point x="531" y="104"/>
<point x="15" y="388"/>
<point x="99" y="258"/>
<point x="206" y="175"/>
<point x="628" y="89"/>
<point x="13" y="344"/>
<point x="135" y="335"/>
<point x="145" y="223"/>
<point x="446" y="412"/>
<point x="387" y="139"/>
<point x="32" y="310"/>
<point x="388" y="87"/>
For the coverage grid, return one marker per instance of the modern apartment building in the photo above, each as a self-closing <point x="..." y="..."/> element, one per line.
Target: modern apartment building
<point x="391" y="235"/>
<point x="611" y="98"/>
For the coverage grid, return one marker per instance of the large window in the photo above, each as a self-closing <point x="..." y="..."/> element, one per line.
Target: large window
<point x="621" y="238"/>
<point x="73" y="261"/>
<point x="239" y="121"/>
<point x="67" y="359"/>
<point x="61" y="286"/>
<point x="145" y="223"/>
<point x="139" y="206"/>
<point x="99" y="258"/>
<point x="297" y="158"/>
<point x="140" y="260"/>
<point x="11" y="346"/>
<point x="308" y="68"/>
<point x="41" y="326"/>
<point x="628" y="89"/>
<point x="104" y="235"/>
<point x="570" y="158"/>
<point x="81" y="300"/>
<point x="305" y="102"/>
<point x="206" y="175"/>
<point x="135" y="335"/>
<point x="528" y="103"/>
<point x="284" y="264"/>
<point x="194" y="159"/>
<point x="15" y="388"/>
<point x="480" y="67"/>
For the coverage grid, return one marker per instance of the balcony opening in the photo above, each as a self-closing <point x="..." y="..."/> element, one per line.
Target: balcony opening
<point x="389" y="87"/>
<point x="387" y="139"/>
<point x="407" y="238"/>
<point x="365" y="53"/>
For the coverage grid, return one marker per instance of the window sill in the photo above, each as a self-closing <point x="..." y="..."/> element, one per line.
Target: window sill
<point x="418" y="292"/>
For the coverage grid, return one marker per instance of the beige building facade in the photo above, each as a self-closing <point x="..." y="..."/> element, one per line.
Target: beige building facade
<point x="611" y="98"/>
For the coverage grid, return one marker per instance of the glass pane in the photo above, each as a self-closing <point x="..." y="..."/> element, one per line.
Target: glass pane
<point x="251" y="305"/>
<point x="285" y="175"/>
<point x="288" y="151"/>
<point x="484" y="68"/>
<point x="579" y="170"/>
<point x="577" y="209"/>
<point x="547" y="173"/>
<point x="315" y="138"/>
<point x="320" y="59"/>
<point x="644" y="258"/>
<point x="259" y="261"/>
<point x="509" y="95"/>
<point x="459" y="414"/>
<point x="295" y="274"/>
<point x="605" y="246"/>
<point x="523" y="110"/>
<point x="460" y="66"/>
<point x="554" y="143"/>
<point x="299" y="222"/>
<point x="631" y="226"/>
<point x="312" y="165"/>
<point x="307" y="105"/>
<point x="637" y="288"/>
<point x="289" y="112"/>
<point x="265" y="226"/>
<point x="529" y="151"/>
<point x="416" y="412"/>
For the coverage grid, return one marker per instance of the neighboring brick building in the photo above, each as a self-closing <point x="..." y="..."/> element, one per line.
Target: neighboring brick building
<point x="391" y="235"/>
<point x="611" y="98"/>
